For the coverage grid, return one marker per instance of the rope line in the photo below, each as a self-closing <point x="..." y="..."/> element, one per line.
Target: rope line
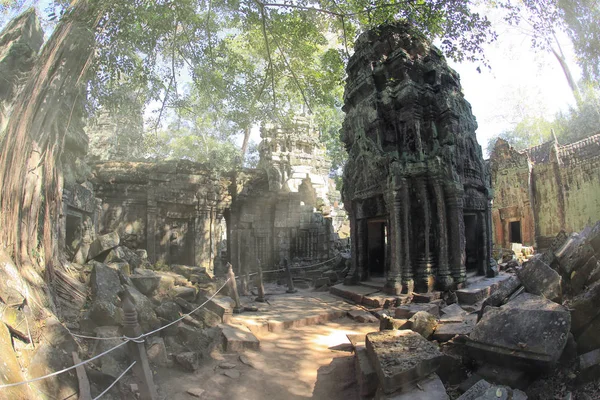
<point x="62" y="370"/>
<point x="115" y="381"/>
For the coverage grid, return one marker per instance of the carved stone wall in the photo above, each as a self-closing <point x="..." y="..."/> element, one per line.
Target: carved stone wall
<point x="288" y="208"/>
<point x="173" y="209"/>
<point x="547" y="188"/>
<point x="415" y="185"/>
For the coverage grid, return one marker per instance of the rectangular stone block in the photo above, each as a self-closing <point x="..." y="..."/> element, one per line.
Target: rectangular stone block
<point x="589" y="366"/>
<point x="408" y="310"/>
<point x="401" y="358"/>
<point x="366" y="377"/>
<point x="238" y="338"/>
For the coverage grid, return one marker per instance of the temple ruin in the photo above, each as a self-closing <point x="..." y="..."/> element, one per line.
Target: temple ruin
<point x="415" y="185"/>
<point x="544" y="190"/>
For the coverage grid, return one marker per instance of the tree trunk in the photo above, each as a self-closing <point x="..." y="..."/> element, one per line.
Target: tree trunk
<point x="245" y="143"/>
<point x="30" y="169"/>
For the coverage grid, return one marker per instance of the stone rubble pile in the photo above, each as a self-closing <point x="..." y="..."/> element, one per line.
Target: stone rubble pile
<point x="543" y="319"/>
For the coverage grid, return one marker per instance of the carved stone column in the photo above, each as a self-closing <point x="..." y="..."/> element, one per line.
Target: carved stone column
<point x="393" y="284"/>
<point x="456" y="228"/>
<point x="352" y="276"/>
<point x="361" y="248"/>
<point x="408" y="284"/>
<point x="444" y="278"/>
<point x="489" y="239"/>
<point x="151" y="210"/>
<point x="424" y="277"/>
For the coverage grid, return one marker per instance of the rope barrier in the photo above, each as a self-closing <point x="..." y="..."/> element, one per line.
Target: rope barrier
<point x="62" y="370"/>
<point x="291" y="268"/>
<point x="115" y="381"/>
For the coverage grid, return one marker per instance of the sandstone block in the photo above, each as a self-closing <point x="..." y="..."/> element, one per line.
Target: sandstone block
<point x="408" y="310"/>
<point x="423" y="323"/>
<point x="584" y="308"/>
<point x="238" y="338"/>
<point x="388" y="323"/>
<point x="446" y="331"/>
<point x="365" y="374"/>
<point x="401" y="358"/>
<point x="103" y="244"/>
<point x="538" y="278"/>
<point x="530" y="330"/>
<point x="146" y="283"/>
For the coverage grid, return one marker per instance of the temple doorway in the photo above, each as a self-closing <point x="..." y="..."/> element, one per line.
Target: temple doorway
<point x="515" y="232"/>
<point x="473" y="242"/>
<point x="377" y="239"/>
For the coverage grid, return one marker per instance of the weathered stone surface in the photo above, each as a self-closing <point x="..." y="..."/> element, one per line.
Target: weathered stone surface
<point x="146" y="282"/>
<point x="452" y="310"/>
<point x="196" y="392"/>
<point x="589" y="366"/>
<point x="505" y="289"/>
<point x="508" y="376"/>
<point x="574" y="253"/>
<point x="584" y="275"/>
<point x="538" y="278"/>
<point x="145" y="309"/>
<point x="188" y="360"/>
<point x="233" y="374"/>
<point x="122" y="267"/>
<point x="103" y="244"/>
<point x="168" y="310"/>
<point x="476" y="391"/>
<point x="365" y="374"/>
<point x="105" y="285"/>
<point x="589" y="339"/>
<point x="408" y="310"/>
<point x="430" y="388"/>
<point x="157" y="352"/>
<point x="584" y="308"/>
<point x="10" y="370"/>
<point x="186" y="270"/>
<point x="238" y="338"/>
<point x="100" y="346"/>
<point x="54" y="354"/>
<point x="401" y="358"/>
<point x="423" y="323"/>
<point x="426" y="297"/>
<point x="362" y="316"/>
<point x="529" y="330"/>
<point x="447" y="330"/>
<point x="185" y="292"/>
<point x="388" y="323"/>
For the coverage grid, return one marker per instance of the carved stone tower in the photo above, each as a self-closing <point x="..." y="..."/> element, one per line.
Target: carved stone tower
<point x="415" y="184"/>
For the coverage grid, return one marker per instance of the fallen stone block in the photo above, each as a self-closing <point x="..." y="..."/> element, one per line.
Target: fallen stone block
<point x="103" y="244"/>
<point x="501" y="295"/>
<point x="452" y="310"/>
<point x="145" y="282"/>
<point x="157" y="352"/>
<point x="366" y="377"/>
<point x="401" y="358"/>
<point x="408" y="310"/>
<point x="388" y="323"/>
<point x="445" y="331"/>
<point x="423" y="323"/>
<point x="584" y="308"/>
<point x="508" y="376"/>
<point x="589" y="367"/>
<point x="529" y="331"/>
<point x="430" y="388"/>
<point x="538" y="278"/>
<point x="426" y="297"/>
<point x="573" y="254"/>
<point x="584" y="275"/>
<point x="589" y="339"/>
<point x="185" y="292"/>
<point x="187" y="271"/>
<point x="476" y="390"/>
<point x="188" y="360"/>
<point x="238" y="338"/>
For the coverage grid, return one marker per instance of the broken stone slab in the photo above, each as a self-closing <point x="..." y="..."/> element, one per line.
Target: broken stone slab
<point x="481" y="289"/>
<point x="445" y="331"/>
<point x="233" y="374"/>
<point x="187" y="293"/>
<point x="476" y="390"/>
<point x="573" y="254"/>
<point x="504" y="290"/>
<point x="103" y="244"/>
<point x="238" y="338"/>
<point x="584" y="308"/>
<point x="430" y="388"/>
<point x="408" y="310"/>
<point x="529" y="331"/>
<point x="188" y="360"/>
<point x="146" y="282"/>
<point x="366" y="377"/>
<point x="452" y="310"/>
<point x="388" y="323"/>
<point x="589" y="367"/>
<point x="538" y="278"/>
<point x="196" y="392"/>
<point x="401" y="358"/>
<point x="423" y="323"/>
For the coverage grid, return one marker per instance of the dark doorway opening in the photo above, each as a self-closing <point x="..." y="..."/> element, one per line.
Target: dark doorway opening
<point x="376" y="246"/>
<point x="472" y="244"/>
<point x="515" y="232"/>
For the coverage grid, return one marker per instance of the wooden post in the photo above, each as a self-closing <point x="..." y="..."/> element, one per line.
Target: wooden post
<point x="291" y="288"/>
<point x="233" y="289"/>
<point x="137" y="351"/>
<point x="259" y="283"/>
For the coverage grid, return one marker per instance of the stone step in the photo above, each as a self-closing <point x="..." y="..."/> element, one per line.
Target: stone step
<point x="366" y="377"/>
<point x="365" y="295"/>
<point x="479" y="288"/>
<point x="238" y="338"/>
<point x="401" y="358"/>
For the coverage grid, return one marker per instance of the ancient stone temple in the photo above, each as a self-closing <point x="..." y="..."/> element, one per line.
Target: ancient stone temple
<point x="543" y="190"/>
<point x="287" y="208"/>
<point x="415" y="185"/>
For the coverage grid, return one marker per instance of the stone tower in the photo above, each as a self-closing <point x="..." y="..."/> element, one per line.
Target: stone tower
<point x="415" y="184"/>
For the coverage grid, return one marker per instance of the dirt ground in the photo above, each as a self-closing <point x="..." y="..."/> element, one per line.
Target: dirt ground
<point x="312" y="362"/>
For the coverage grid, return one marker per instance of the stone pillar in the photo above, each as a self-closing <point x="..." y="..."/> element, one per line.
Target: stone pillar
<point x="361" y="248"/>
<point x="424" y="277"/>
<point x="456" y="228"/>
<point x="393" y="284"/>
<point x="483" y="262"/>
<point x="408" y="284"/>
<point x="151" y="211"/>
<point x="352" y="276"/>
<point x="444" y="278"/>
<point x="490" y="262"/>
